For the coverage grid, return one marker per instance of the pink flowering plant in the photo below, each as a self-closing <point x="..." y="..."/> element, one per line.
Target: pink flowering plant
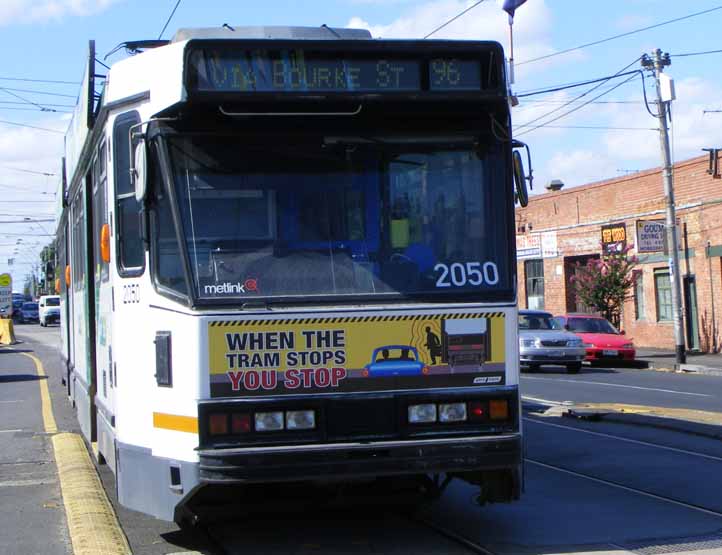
<point x="603" y="284"/>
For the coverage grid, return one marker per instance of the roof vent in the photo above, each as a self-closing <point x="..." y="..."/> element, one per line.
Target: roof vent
<point x="554" y="185"/>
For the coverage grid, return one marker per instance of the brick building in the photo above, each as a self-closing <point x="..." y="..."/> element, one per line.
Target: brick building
<point x="563" y="227"/>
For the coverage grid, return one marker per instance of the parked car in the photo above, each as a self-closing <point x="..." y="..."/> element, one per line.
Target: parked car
<point x="395" y="360"/>
<point x="543" y="341"/>
<point x="49" y="309"/>
<point x="29" y="312"/>
<point x="602" y="340"/>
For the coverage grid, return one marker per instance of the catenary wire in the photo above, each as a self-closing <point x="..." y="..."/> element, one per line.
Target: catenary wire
<point x="23" y="170"/>
<point x="568" y="112"/>
<point x="32" y="127"/>
<point x="582" y="95"/>
<point x="457" y="16"/>
<point x="38" y="81"/>
<point x="172" y="13"/>
<point x="621" y="35"/>
<point x="573" y="85"/>
<point x="27" y="101"/>
<point x="696" y="53"/>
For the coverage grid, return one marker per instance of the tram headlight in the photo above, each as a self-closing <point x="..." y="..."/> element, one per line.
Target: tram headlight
<point x="300" y="420"/>
<point x="422" y="414"/>
<point x="452" y="412"/>
<point x="269" y="421"/>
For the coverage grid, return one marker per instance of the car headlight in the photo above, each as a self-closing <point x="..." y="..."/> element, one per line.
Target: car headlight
<point x="587" y="345"/>
<point x="527" y="342"/>
<point x="574" y="343"/>
<point x="628" y="346"/>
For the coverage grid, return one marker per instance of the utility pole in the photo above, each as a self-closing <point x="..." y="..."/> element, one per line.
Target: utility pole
<point x="656" y="64"/>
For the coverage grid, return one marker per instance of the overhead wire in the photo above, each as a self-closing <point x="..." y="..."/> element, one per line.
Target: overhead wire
<point x="169" y="18"/>
<point x="27" y="101"/>
<point x="39" y="81"/>
<point x="32" y="127"/>
<point x="598" y="83"/>
<point x="696" y="53"/>
<point x="457" y="16"/>
<point x="576" y="108"/>
<point x="621" y="35"/>
<point x="33" y="91"/>
<point x="23" y="170"/>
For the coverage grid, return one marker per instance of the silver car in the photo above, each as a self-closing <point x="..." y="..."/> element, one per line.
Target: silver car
<point x="543" y="341"/>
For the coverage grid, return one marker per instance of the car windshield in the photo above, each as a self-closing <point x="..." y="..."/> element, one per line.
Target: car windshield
<point x="333" y="216"/>
<point x="30" y="306"/>
<point x="52" y="301"/>
<point x="537" y="322"/>
<point x="394" y="354"/>
<point x="590" y="325"/>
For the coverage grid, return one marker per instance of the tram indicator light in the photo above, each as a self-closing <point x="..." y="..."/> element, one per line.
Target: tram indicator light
<point x="499" y="409"/>
<point x="477" y="410"/>
<point x="240" y="423"/>
<point x="218" y="424"/>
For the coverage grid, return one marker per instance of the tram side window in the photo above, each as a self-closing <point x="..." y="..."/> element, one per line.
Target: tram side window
<point x="129" y="242"/>
<point x="78" y="242"/>
<point x="100" y="212"/>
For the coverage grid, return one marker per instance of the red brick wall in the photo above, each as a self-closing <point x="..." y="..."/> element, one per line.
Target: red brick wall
<point x="577" y="214"/>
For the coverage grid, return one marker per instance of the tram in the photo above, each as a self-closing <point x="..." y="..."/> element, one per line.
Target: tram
<point x="289" y="257"/>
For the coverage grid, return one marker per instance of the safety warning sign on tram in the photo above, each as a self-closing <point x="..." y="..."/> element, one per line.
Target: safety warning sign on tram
<point x="355" y="353"/>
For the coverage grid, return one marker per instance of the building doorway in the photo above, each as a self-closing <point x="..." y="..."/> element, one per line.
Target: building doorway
<point x="572" y="265"/>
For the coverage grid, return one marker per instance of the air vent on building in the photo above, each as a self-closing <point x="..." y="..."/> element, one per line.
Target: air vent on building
<point x="554" y="185"/>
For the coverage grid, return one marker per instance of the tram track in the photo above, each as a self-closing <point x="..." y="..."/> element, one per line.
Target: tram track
<point x="612" y="483"/>
<point x="457" y="538"/>
<point x="626" y="439"/>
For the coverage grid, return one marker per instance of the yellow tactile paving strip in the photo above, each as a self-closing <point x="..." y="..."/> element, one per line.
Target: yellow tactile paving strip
<point x="92" y="523"/>
<point x="690" y="415"/>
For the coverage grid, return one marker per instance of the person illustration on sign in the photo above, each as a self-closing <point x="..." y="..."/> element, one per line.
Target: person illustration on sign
<point x="432" y="344"/>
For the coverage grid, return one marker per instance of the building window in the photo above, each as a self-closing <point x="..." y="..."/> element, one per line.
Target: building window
<point x="638" y="295"/>
<point x="663" y="291"/>
<point x="534" y="270"/>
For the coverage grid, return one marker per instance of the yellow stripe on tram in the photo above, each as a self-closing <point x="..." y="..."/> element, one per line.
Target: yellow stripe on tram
<point x="175" y="422"/>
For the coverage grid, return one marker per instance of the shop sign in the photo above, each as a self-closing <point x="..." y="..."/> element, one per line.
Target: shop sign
<point x="651" y="236"/>
<point x="614" y="238"/>
<point x="6" y="294"/>
<point x="549" y="245"/>
<point x="528" y="246"/>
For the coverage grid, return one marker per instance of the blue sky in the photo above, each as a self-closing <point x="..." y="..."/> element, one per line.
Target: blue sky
<point x="47" y="39"/>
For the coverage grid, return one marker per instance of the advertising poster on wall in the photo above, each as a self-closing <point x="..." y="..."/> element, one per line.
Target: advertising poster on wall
<point x="355" y="353"/>
<point x="614" y="238"/>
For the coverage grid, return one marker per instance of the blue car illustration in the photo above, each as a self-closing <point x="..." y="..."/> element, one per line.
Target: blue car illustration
<point x="395" y="360"/>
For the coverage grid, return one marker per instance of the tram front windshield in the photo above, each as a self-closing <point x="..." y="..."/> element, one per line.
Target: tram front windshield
<point x="337" y="216"/>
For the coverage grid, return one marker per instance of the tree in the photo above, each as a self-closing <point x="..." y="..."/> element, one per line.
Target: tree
<point x="603" y="284"/>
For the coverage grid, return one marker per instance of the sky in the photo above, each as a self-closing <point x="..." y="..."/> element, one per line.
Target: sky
<point x="46" y="40"/>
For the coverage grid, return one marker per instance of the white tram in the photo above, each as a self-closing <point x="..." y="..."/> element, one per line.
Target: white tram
<point x="289" y="256"/>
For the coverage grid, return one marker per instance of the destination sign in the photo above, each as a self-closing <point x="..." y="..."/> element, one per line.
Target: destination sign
<point x="299" y="71"/>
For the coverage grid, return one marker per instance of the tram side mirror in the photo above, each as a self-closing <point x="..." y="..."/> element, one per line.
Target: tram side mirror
<point x="521" y="193"/>
<point x="139" y="171"/>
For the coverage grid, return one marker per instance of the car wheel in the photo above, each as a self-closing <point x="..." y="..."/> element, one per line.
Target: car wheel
<point x="533" y="367"/>
<point x="574" y="368"/>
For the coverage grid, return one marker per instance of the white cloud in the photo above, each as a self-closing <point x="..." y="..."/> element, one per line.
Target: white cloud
<point x="31" y="11"/>
<point x="485" y="22"/>
<point x="579" y="167"/>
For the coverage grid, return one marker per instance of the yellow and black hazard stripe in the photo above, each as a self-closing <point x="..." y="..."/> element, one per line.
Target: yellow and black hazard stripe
<point x="355" y="319"/>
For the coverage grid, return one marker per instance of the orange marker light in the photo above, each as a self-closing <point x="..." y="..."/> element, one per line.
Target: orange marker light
<point x="499" y="409"/>
<point x="67" y="275"/>
<point x="105" y="243"/>
<point x="57" y="285"/>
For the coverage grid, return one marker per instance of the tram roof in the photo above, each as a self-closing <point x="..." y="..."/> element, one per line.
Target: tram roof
<point x="272" y="32"/>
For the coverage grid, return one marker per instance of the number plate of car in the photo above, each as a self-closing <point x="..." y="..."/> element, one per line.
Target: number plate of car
<point x="610" y="352"/>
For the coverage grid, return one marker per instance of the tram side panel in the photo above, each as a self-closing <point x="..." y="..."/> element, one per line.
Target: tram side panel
<point x="81" y="376"/>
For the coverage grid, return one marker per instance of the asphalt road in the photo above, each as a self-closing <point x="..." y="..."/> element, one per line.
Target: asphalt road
<point x="591" y="487"/>
<point x="626" y="386"/>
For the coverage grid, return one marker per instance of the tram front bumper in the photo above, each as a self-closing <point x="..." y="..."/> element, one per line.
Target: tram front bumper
<point x="359" y="460"/>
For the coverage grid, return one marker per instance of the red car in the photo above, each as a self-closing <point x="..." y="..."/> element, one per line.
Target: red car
<point x="602" y="341"/>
